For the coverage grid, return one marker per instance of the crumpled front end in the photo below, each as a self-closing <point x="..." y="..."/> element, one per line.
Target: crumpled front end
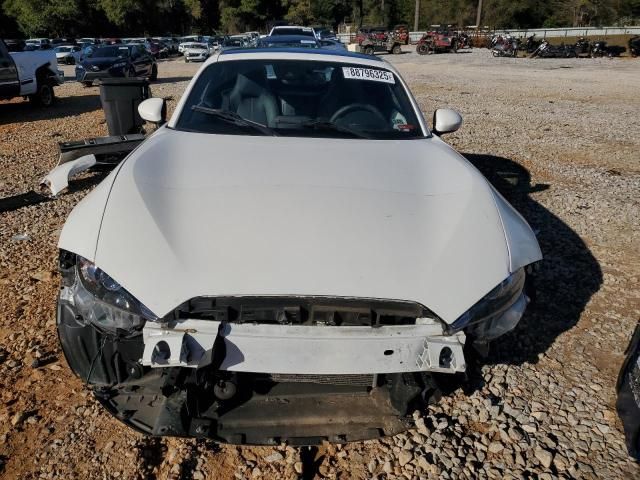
<point x="256" y="370"/>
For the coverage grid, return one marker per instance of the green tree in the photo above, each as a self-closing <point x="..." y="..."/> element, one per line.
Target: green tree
<point x="41" y="17"/>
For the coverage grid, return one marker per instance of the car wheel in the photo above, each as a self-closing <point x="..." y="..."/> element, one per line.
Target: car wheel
<point x="44" y="97"/>
<point x="154" y="72"/>
<point x="186" y="60"/>
<point x="368" y="51"/>
<point x="397" y="49"/>
<point x="423" y="49"/>
<point x="87" y="84"/>
<point x="454" y="47"/>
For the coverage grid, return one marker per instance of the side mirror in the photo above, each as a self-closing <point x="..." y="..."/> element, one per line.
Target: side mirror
<point x="153" y="110"/>
<point x="446" y="120"/>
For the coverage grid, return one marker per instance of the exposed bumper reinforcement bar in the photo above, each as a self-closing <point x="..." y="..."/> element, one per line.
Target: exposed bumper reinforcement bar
<point x="297" y="349"/>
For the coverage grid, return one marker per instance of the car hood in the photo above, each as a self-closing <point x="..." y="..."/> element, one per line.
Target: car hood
<point x="194" y="214"/>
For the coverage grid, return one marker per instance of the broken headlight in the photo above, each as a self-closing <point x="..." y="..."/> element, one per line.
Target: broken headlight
<point x="498" y="312"/>
<point x="101" y="301"/>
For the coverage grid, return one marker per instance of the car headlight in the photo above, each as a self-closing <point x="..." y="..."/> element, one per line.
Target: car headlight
<point x="119" y="65"/>
<point x="102" y="301"/>
<point x="79" y="67"/>
<point x="497" y="312"/>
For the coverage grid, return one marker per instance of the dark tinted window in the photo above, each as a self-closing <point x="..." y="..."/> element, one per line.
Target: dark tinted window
<point x="299" y="98"/>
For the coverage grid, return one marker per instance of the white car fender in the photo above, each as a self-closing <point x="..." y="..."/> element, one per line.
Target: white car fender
<point x="80" y="231"/>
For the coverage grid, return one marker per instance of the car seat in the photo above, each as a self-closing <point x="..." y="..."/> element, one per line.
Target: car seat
<point x="251" y="100"/>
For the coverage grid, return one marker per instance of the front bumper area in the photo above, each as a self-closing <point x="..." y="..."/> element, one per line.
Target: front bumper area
<point x="261" y="384"/>
<point x="307" y="350"/>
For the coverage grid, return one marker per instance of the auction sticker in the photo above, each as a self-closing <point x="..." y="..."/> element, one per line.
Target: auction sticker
<point x="359" y="73"/>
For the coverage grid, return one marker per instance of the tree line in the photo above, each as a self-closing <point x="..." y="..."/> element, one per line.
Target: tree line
<point x="95" y="18"/>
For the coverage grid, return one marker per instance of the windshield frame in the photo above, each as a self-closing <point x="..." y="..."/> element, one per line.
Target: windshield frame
<point x="304" y="55"/>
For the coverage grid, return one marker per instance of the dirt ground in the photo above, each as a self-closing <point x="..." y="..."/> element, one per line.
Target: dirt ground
<point x="560" y="138"/>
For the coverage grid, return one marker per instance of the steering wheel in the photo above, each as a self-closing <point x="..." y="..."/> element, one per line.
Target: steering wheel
<point x="358" y="107"/>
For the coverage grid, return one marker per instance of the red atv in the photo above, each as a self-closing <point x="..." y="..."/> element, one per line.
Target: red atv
<point x="438" y="42"/>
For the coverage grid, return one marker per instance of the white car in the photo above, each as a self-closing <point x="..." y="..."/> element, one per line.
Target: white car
<point x="293" y="30"/>
<point x="195" y="52"/>
<point x="68" y="54"/>
<point x="190" y="39"/>
<point x="291" y="258"/>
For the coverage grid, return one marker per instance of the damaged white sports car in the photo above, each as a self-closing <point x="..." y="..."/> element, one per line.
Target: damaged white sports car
<point x="291" y="258"/>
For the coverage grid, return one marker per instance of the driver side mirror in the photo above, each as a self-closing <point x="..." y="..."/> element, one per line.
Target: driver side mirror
<point x="446" y="120"/>
<point x="153" y="110"/>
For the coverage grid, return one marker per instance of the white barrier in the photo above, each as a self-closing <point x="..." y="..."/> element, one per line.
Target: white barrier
<point x="539" y="32"/>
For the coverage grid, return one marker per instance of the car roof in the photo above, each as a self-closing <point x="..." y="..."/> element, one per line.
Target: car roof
<point x="299" y="53"/>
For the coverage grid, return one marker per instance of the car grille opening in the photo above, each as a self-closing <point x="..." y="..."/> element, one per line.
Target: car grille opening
<point x="320" y="311"/>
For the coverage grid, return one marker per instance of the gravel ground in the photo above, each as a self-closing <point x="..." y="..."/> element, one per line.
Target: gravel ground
<point x="558" y="137"/>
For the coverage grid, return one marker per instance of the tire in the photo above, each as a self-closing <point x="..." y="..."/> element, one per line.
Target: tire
<point x="454" y="46"/>
<point x="87" y="84"/>
<point x="154" y="73"/>
<point x="186" y="60"/>
<point x="422" y="49"/>
<point x="45" y="96"/>
<point x="396" y="50"/>
<point x="368" y="51"/>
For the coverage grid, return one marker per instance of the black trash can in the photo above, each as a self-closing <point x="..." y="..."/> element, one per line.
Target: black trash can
<point x="120" y="98"/>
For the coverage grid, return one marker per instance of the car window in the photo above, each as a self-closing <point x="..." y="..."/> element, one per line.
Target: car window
<point x="104" y="52"/>
<point x="305" y="98"/>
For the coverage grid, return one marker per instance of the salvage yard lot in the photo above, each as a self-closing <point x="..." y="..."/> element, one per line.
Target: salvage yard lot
<point x="560" y="138"/>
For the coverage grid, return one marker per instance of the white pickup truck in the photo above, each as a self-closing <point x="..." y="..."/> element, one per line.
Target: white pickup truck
<point x="29" y="74"/>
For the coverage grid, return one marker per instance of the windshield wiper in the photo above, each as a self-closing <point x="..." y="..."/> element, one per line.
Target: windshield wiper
<point x="330" y="126"/>
<point x="234" y="118"/>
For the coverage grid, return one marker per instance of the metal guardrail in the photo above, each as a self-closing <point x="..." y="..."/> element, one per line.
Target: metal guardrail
<point x="540" y="32"/>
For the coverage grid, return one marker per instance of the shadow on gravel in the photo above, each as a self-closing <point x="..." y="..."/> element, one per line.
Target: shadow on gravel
<point x="71" y="106"/>
<point x="151" y="451"/>
<point x="568" y="277"/>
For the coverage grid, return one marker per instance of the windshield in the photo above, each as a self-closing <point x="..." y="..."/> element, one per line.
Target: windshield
<point x="105" y="52"/>
<point x="301" y="98"/>
<point x="63" y="49"/>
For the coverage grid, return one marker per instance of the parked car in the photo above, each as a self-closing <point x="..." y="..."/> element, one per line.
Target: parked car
<point x="235" y="41"/>
<point x="106" y="61"/>
<point x="68" y="54"/>
<point x="15" y="45"/>
<point x="217" y="41"/>
<point x="438" y="42"/>
<point x="39" y="43"/>
<point x="196" y="52"/>
<point x="332" y="44"/>
<point x="184" y="305"/>
<point x="325" y="33"/>
<point x="374" y="43"/>
<point x="292" y="30"/>
<point x="373" y="33"/>
<point x="628" y="387"/>
<point x="288" y="41"/>
<point x="31" y="74"/>
<point x="189" y="39"/>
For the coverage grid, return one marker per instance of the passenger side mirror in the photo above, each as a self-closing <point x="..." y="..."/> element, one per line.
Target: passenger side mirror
<point x="153" y="110"/>
<point x="446" y="120"/>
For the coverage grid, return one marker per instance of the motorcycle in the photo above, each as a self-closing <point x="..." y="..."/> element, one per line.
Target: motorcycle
<point x="601" y="49"/>
<point x="582" y="47"/>
<point x="532" y="44"/>
<point x="546" y="50"/>
<point x="504" y="46"/>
